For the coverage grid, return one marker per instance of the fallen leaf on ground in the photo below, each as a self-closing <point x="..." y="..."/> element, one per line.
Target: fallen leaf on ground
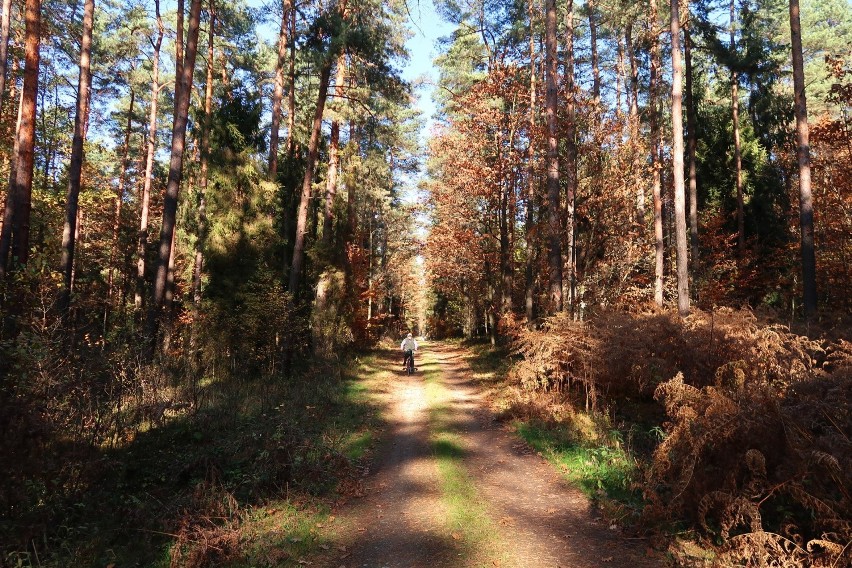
<point x="456" y="536"/>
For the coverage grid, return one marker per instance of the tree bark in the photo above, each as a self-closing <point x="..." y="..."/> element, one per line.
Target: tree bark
<point x="119" y="200"/>
<point x="75" y="170"/>
<point x="570" y="155"/>
<point x="291" y="95"/>
<point x="593" y="39"/>
<point x="278" y="94"/>
<point x="333" y="155"/>
<point x="633" y="118"/>
<point x="677" y="169"/>
<point x="529" y="222"/>
<point x="554" y="225"/>
<point x="201" y="240"/>
<point x="4" y="48"/>
<point x="142" y="244"/>
<point x="22" y="184"/>
<point x="307" y="181"/>
<point x="735" y="120"/>
<point x="806" y="208"/>
<point x="656" y="146"/>
<point x="691" y="146"/>
<point x="9" y="205"/>
<point x="170" y="202"/>
<point x="180" y="11"/>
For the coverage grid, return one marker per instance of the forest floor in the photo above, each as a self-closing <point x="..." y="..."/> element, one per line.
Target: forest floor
<point x="449" y="485"/>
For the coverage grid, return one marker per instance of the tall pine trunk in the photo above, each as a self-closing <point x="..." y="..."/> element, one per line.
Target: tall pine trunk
<point x="529" y="222"/>
<point x="142" y="242"/>
<point x="691" y="146"/>
<point x="677" y="166"/>
<point x="554" y="224"/>
<point x="291" y="74"/>
<point x="5" y="22"/>
<point x="333" y="155"/>
<point x="119" y="201"/>
<point x="593" y="40"/>
<point x="806" y="207"/>
<point x="9" y="205"/>
<point x="570" y="155"/>
<point x="17" y="237"/>
<point x="75" y="170"/>
<point x="307" y="182"/>
<point x="201" y="198"/>
<point x="182" y="95"/>
<point x="278" y="94"/>
<point x="633" y="119"/>
<point x="735" y="120"/>
<point x="656" y="161"/>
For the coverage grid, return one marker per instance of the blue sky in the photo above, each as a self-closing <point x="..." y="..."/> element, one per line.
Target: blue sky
<point x="427" y="27"/>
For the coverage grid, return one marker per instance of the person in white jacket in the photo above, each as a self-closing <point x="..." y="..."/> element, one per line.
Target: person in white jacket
<point x="408" y="346"/>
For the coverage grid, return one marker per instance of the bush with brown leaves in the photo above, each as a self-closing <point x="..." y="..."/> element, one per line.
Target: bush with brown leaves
<point x="757" y="451"/>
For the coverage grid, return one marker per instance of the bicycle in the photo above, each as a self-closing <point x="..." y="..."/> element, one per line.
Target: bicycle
<point x="409" y="362"/>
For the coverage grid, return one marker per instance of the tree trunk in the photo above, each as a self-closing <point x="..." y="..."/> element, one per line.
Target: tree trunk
<point x="291" y="95"/>
<point x="806" y="208"/>
<point x="119" y="200"/>
<point x="278" y="95"/>
<point x="593" y="39"/>
<point x="333" y="155"/>
<point x="633" y="118"/>
<point x="180" y="11"/>
<point x="656" y="146"/>
<point x="21" y="187"/>
<point x="677" y="169"/>
<point x="691" y="146"/>
<point x="142" y="244"/>
<point x="735" y="120"/>
<point x="620" y="77"/>
<point x="307" y="181"/>
<point x="554" y="225"/>
<point x="570" y="154"/>
<point x="9" y="205"/>
<point x="200" y="241"/>
<point x="4" y="48"/>
<point x="351" y="219"/>
<point x="75" y="170"/>
<point x="182" y="95"/>
<point x="529" y="223"/>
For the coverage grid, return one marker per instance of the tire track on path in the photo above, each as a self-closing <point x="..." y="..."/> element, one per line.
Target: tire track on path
<point x="536" y="518"/>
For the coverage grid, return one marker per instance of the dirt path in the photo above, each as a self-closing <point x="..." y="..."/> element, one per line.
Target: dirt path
<point x="452" y="488"/>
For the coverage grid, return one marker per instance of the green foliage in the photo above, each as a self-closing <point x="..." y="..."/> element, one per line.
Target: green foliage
<point x="599" y="470"/>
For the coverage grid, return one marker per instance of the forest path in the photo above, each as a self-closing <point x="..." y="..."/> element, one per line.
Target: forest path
<point x="453" y="488"/>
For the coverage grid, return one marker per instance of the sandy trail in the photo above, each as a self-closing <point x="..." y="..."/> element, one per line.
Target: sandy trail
<point x="537" y="519"/>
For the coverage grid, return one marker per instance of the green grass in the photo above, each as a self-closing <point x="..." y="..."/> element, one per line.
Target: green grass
<point x="583" y="451"/>
<point x="467" y="517"/>
<point x="597" y="469"/>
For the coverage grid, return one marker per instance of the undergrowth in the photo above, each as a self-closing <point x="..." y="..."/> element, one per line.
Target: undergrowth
<point x="735" y="431"/>
<point x="245" y="481"/>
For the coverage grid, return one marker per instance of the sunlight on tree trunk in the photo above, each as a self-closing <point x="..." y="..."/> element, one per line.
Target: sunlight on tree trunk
<point x="806" y="208"/>
<point x="75" y="171"/>
<point x="677" y="169"/>
<point x="554" y="225"/>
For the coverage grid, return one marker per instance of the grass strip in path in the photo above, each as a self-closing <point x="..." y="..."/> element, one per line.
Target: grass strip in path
<point x="467" y="515"/>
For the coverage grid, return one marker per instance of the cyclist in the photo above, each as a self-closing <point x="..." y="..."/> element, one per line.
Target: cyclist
<point x="408" y="346"/>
